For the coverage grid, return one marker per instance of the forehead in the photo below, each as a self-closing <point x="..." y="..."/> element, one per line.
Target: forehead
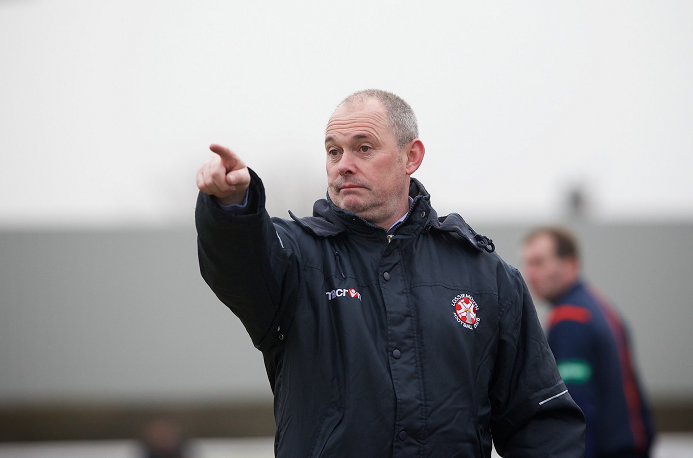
<point x="362" y="118"/>
<point x="541" y="244"/>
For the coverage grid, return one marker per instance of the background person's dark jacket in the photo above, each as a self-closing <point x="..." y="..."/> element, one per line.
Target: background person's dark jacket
<point x="364" y="350"/>
<point x="592" y="349"/>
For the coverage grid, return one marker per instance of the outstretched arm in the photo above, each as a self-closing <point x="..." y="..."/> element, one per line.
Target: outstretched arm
<point x="241" y="257"/>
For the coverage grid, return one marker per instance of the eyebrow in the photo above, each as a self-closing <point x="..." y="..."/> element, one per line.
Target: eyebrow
<point x="330" y="139"/>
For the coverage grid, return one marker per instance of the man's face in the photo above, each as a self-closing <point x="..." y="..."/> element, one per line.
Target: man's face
<point x="547" y="275"/>
<point x="366" y="171"/>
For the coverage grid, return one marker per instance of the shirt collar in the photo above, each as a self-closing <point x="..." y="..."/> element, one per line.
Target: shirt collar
<point x="397" y="223"/>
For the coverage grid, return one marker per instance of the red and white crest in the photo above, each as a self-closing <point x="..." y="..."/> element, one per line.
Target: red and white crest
<point x="466" y="311"/>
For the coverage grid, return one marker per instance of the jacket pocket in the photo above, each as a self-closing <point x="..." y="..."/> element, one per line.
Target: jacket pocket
<point x="328" y="423"/>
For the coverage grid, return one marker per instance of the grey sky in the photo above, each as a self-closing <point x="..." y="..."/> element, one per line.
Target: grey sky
<point x="107" y="108"/>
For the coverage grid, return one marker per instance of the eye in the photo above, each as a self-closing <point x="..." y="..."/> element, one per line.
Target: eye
<point x="332" y="152"/>
<point x="365" y="148"/>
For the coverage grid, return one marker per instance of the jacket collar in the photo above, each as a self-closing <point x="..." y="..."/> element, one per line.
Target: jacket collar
<point x="328" y="220"/>
<point x="564" y="298"/>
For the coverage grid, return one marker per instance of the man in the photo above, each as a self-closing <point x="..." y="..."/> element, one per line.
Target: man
<point x="590" y="344"/>
<point x="163" y="439"/>
<point x="386" y="331"/>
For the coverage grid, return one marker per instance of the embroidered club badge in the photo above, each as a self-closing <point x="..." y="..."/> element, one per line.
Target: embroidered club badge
<point x="466" y="311"/>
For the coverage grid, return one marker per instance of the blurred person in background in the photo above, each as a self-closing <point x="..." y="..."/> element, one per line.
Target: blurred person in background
<point x="591" y="345"/>
<point x="163" y="439"/>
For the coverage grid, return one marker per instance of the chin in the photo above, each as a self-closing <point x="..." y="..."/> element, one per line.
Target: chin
<point x="351" y="204"/>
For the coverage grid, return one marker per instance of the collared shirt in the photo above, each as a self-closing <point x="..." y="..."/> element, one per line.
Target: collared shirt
<point x="397" y="223"/>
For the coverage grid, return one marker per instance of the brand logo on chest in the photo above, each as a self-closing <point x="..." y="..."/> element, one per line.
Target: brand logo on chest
<point x="466" y="311"/>
<point x="351" y="293"/>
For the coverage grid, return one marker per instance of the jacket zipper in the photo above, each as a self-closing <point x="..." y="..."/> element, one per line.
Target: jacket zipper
<point x="339" y="264"/>
<point x="389" y="237"/>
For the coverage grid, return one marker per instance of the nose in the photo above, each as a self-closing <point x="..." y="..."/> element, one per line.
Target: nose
<point x="347" y="164"/>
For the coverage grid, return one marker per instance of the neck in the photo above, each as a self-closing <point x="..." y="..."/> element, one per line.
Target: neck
<point x="567" y="287"/>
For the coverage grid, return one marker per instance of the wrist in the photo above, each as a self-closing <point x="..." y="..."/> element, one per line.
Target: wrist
<point x="236" y="199"/>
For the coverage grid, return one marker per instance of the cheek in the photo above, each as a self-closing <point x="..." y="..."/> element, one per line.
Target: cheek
<point x="550" y="282"/>
<point x="331" y="171"/>
<point x="389" y="176"/>
<point x="529" y="274"/>
<point x="539" y="280"/>
<point x="534" y="281"/>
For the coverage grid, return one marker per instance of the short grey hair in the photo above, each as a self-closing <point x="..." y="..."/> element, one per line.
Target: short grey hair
<point x="402" y="120"/>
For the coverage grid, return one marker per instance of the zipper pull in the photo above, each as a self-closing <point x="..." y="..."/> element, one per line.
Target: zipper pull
<point x="389" y="237"/>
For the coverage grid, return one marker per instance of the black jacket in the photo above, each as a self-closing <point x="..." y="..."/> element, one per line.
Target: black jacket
<point x="420" y="344"/>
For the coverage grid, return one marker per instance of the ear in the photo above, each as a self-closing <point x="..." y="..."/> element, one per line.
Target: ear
<point x="415" y="155"/>
<point x="573" y="265"/>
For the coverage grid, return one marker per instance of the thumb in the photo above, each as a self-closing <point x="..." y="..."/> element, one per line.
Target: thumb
<point x="240" y="178"/>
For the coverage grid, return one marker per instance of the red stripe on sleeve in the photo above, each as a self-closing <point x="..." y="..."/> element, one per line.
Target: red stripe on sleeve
<point x="630" y="387"/>
<point x="569" y="313"/>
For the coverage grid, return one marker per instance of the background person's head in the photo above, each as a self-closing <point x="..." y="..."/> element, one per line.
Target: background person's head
<point x="372" y="148"/>
<point x="550" y="262"/>
<point x="163" y="439"/>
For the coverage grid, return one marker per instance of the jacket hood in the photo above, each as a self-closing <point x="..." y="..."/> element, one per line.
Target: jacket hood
<point x="328" y="220"/>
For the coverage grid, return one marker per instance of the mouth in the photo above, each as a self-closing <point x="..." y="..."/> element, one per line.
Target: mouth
<point x="350" y="185"/>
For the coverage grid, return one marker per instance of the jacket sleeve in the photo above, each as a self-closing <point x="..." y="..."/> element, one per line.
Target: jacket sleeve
<point x="571" y="344"/>
<point x="246" y="264"/>
<point x="532" y="412"/>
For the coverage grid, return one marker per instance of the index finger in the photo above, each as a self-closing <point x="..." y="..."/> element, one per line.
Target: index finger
<point x="221" y="150"/>
<point x="228" y="157"/>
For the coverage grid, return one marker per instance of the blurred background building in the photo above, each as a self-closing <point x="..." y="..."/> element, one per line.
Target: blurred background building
<point x="103" y="331"/>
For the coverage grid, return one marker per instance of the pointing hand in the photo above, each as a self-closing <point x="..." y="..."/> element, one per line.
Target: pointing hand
<point x="225" y="176"/>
